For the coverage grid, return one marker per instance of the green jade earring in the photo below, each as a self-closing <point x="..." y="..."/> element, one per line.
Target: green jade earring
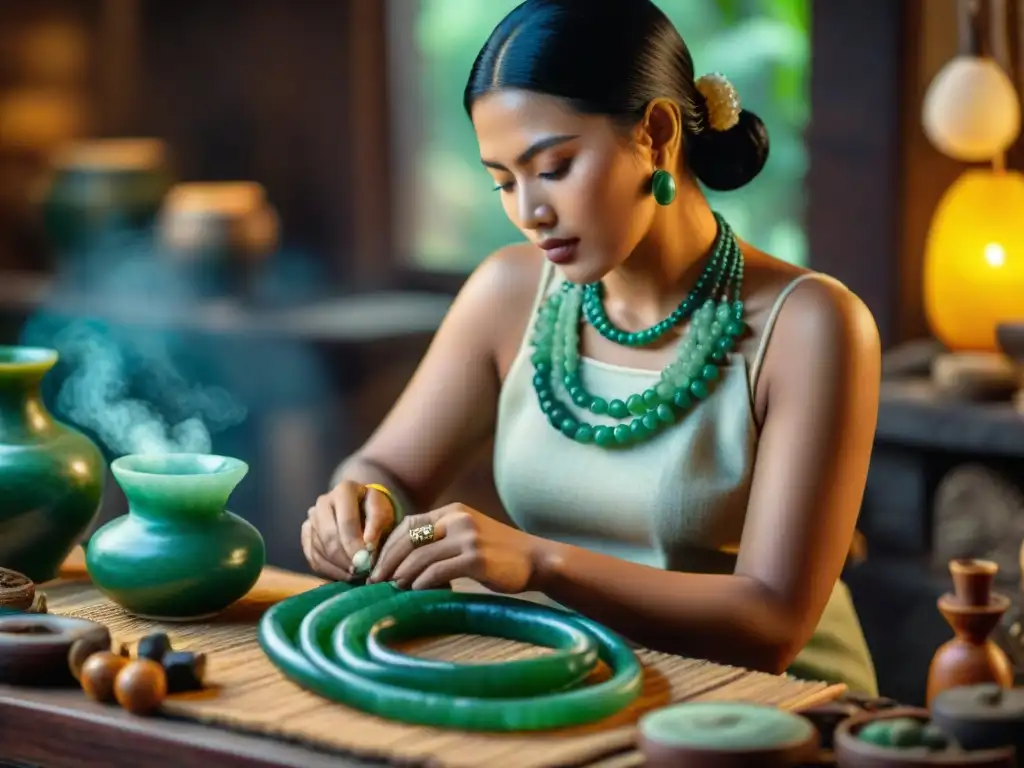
<point x="663" y="187"/>
<point x="715" y="310"/>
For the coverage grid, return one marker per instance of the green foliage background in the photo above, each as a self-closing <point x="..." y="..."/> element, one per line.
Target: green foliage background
<point x="762" y="46"/>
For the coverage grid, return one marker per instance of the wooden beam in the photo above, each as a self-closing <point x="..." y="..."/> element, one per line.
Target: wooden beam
<point x="857" y="98"/>
<point x="371" y="260"/>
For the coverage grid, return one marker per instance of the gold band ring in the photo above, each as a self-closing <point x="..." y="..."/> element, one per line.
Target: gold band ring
<point x="422" y="535"/>
<point x="387" y="494"/>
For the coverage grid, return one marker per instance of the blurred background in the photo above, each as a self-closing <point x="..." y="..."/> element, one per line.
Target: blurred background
<point x="241" y="222"/>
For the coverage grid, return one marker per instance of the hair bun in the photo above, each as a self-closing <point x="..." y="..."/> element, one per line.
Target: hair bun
<point x="733" y="146"/>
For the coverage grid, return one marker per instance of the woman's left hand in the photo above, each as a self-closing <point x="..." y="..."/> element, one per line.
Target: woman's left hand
<point x="465" y="544"/>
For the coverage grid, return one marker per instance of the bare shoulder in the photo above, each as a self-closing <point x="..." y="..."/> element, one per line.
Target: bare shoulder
<point x="824" y="333"/>
<point x="498" y="296"/>
<point x="826" y="317"/>
<point x="821" y="308"/>
<point x="510" y="275"/>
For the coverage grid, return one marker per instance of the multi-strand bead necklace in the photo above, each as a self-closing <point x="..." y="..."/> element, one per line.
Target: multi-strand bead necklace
<point x="715" y="311"/>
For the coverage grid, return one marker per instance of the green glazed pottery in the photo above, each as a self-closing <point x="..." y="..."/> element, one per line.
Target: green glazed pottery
<point x="101" y="185"/>
<point x="178" y="554"/>
<point x="51" y="476"/>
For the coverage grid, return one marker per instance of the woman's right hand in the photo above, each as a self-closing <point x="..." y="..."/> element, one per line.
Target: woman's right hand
<point x="334" y="530"/>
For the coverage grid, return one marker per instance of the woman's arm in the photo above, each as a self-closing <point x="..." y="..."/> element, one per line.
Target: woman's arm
<point x="447" y="410"/>
<point x="821" y="381"/>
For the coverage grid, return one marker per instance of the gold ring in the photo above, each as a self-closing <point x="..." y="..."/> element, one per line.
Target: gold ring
<point x="387" y="494"/>
<point x="422" y="536"/>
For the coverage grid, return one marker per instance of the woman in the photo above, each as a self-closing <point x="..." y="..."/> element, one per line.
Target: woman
<point x="710" y="513"/>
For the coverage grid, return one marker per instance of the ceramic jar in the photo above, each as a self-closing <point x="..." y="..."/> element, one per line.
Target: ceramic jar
<point x="101" y="186"/>
<point x="983" y="716"/>
<point x="217" y="235"/>
<point x="178" y="554"/>
<point x="51" y="475"/>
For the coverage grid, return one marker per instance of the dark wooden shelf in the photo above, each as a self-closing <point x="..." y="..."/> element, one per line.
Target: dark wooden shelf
<point x="358" y="318"/>
<point x="913" y="413"/>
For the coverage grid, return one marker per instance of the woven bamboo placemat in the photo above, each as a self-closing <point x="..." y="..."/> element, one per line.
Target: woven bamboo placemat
<point x="247" y="693"/>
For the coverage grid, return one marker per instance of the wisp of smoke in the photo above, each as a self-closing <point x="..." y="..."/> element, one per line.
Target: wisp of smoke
<point x="97" y="396"/>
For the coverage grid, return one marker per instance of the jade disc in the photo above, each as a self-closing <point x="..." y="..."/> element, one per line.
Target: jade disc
<point x="725" y="726"/>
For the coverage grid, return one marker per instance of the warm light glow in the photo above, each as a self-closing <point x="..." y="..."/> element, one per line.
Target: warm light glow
<point x="974" y="259"/>
<point x="995" y="255"/>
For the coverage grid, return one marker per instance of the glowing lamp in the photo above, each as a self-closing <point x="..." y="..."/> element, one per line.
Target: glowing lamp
<point x="974" y="259"/>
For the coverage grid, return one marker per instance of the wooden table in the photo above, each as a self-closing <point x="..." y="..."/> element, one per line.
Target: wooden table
<point x="62" y="728"/>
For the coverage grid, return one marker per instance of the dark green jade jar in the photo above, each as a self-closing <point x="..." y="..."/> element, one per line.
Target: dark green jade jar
<point x="51" y="475"/>
<point x="178" y="554"/>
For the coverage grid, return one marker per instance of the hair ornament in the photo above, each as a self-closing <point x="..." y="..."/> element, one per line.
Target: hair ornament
<point x="722" y="99"/>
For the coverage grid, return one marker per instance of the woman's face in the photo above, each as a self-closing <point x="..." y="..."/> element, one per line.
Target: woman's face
<point x="574" y="184"/>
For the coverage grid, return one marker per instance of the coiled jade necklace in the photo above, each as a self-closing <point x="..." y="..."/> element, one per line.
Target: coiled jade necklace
<point x="715" y="311"/>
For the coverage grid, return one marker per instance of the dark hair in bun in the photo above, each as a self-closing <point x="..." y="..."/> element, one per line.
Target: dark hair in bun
<point x="613" y="57"/>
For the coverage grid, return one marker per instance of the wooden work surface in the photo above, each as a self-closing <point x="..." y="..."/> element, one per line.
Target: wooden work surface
<point x="63" y="728"/>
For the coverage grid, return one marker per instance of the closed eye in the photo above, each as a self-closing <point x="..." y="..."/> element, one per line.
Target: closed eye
<point x="558" y="173"/>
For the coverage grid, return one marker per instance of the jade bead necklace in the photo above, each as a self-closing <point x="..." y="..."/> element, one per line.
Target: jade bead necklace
<point x="707" y="285"/>
<point x="716" y="314"/>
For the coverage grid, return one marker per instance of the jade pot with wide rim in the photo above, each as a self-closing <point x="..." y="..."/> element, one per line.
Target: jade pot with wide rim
<point x="178" y="554"/>
<point x="51" y="475"/>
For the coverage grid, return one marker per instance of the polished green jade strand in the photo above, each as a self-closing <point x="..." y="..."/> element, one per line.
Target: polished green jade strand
<point x="332" y="641"/>
<point x="705" y="344"/>
<point x="709" y="327"/>
<point x="708" y="285"/>
<point x="414" y="615"/>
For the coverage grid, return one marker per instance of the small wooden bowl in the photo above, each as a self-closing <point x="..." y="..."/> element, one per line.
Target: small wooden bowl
<point x="723" y="734"/>
<point x="17" y="592"/>
<point x="852" y="752"/>
<point x="34" y="648"/>
<point x="982" y="716"/>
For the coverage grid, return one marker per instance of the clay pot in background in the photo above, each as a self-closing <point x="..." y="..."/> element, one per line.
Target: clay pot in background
<point x="103" y="187"/>
<point x="218" y="234"/>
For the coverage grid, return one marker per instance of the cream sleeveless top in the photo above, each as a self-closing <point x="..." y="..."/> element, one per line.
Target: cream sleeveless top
<point x="677" y="501"/>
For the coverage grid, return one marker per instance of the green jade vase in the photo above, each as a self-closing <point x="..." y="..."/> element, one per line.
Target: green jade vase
<point x="51" y="475"/>
<point x="178" y="554"/>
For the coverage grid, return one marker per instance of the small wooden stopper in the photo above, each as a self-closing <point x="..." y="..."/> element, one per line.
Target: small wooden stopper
<point x="81" y="650"/>
<point x="98" y="674"/>
<point x="141" y="686"/>
<point x="972" y="581"/>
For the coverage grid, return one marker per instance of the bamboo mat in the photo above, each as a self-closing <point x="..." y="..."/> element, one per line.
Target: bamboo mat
<point x="246" y="692"/>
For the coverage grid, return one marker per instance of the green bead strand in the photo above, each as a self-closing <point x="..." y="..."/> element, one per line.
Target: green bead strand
<point x="712" y="333"/>
<point x="715" y="272"/>
<point x="662" y="393"/>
